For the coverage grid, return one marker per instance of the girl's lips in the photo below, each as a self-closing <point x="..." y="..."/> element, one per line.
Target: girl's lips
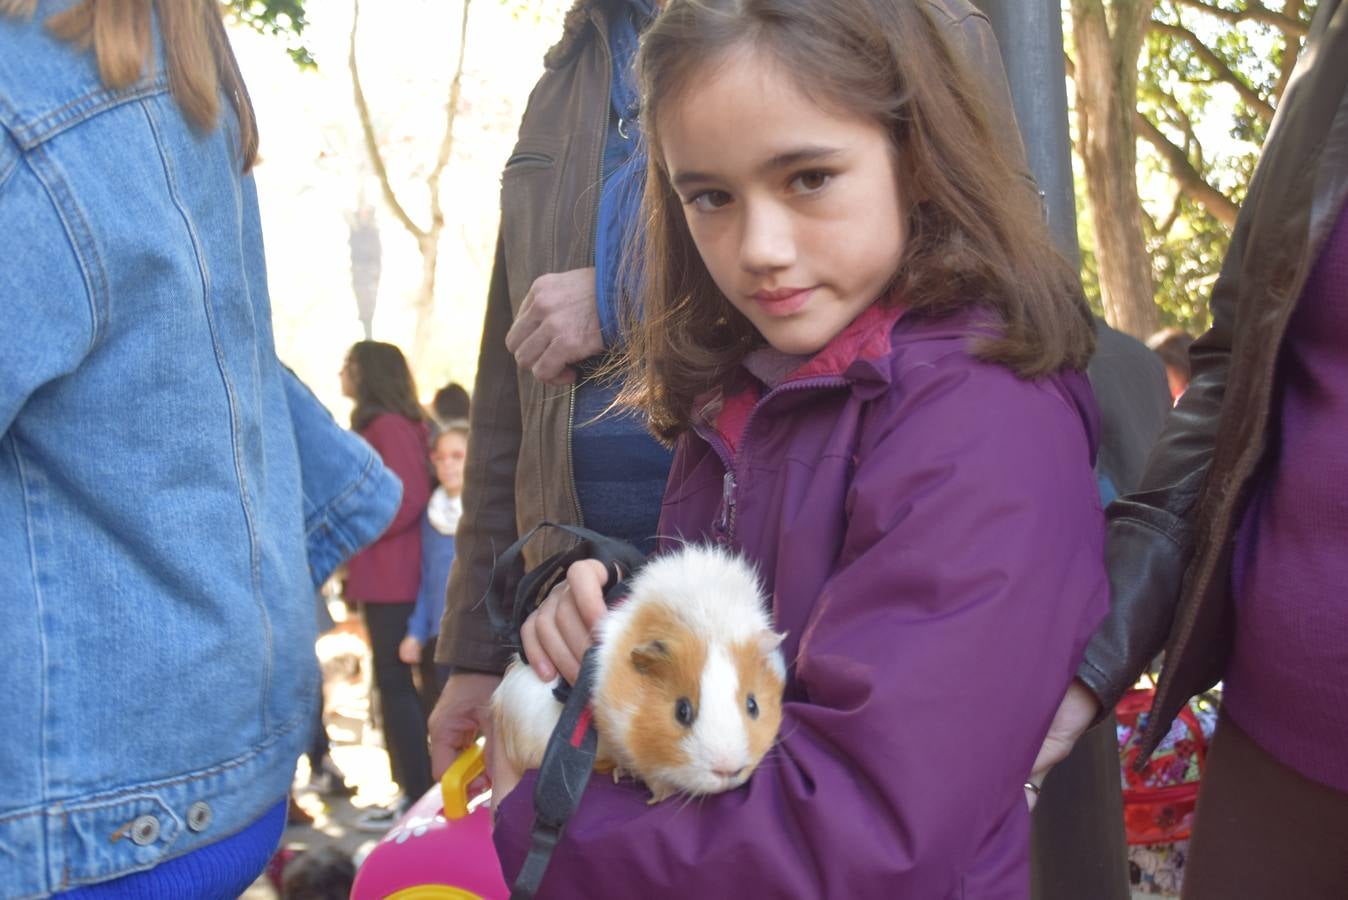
<point x="783" y="302"/>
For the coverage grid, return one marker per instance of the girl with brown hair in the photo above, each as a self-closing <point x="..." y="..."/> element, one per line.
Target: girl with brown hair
<point x="856" y="332"/>
<point x="385" y="577"/>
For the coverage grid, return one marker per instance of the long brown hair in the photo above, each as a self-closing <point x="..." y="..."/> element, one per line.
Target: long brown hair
<point x="197" y="54"/>
<point x="976" y="236"/>
<point x="383" y="383"/>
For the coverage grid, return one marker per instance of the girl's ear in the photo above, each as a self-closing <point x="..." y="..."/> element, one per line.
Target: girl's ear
<point x="651" y="658"/>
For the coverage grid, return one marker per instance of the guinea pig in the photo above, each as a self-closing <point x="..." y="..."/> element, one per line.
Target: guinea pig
<point x="688" y="684"/>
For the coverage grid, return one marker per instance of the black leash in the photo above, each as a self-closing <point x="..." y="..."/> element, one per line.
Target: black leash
<point x="568" y="760"/>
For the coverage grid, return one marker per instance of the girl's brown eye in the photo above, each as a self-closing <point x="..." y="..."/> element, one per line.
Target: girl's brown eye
<point x="810" y="181"/>
<point x="683" y="712"/>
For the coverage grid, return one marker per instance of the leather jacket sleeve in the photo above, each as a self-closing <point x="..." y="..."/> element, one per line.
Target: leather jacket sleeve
<point x="1155" y="532"/>
<point x="488" y="523"/>
<point x="1152" y="531"/>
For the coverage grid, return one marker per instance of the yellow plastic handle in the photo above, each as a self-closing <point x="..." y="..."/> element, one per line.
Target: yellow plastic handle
<point x="454" y="785"/>
<point x="433" y="892"/>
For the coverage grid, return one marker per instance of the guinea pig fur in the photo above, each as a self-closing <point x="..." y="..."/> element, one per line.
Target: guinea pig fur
<point x="688" y="684"/>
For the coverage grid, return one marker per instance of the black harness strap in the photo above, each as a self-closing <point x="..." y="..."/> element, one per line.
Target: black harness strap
<point x="562" y="777"/>
<point x="568" y="760"/>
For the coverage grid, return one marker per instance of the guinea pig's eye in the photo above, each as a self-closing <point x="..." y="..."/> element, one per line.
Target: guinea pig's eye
<point x="752" y="706"/>
<point x="683" y="711"/>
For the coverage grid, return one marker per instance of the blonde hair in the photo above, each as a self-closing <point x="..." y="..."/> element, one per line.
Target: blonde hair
<point x="197" y="54"/>
<point x="976" y="238"/>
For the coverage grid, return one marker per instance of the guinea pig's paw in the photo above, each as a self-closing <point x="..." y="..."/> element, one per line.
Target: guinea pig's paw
<point x="659" y="793"/>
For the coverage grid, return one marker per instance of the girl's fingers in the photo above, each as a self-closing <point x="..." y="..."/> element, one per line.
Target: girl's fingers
<point x="553" y="644"/>
<point x="533" y="649"/>
<point x="586" y="580"/>
<point x="572" y="628"/>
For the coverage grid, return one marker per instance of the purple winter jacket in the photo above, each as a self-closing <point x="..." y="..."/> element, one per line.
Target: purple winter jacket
<point x="929" y="529"/>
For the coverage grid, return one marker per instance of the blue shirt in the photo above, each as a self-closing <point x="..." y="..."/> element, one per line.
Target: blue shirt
<point x="172" y="494"/>
<point x="437" y="556"/>
<point x="624" y="173"/>
<point x="620" y="470"/>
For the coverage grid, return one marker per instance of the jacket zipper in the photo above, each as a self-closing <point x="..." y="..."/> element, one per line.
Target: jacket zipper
<point x="571" y="456"/>
<point x="725" y="522"/>
<point x="724" y="525"/>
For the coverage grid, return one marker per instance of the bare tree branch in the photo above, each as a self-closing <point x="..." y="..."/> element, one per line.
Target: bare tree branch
<point x="447" y="143"/>
<point x="1291" y="49"/>
<point x="430" y="246"/>
<point x="1218" y="68"/>
<point x="371" y="142"/>
<point x="1287" y="21"/>
<point x="1190" y="180"/>
<point x="1164" y="228"/>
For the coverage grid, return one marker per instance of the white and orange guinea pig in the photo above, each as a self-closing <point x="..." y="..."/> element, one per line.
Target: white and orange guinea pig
<point x="688" y="684"/>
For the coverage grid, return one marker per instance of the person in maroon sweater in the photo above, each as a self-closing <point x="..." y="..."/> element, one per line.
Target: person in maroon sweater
<point x="1229" y="556"/>
<point x="385" y="577"/>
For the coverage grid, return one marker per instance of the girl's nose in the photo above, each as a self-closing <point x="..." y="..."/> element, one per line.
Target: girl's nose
<point x="768" y="242"/>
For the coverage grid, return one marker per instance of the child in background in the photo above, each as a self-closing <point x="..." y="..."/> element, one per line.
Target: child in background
<point x="449" y="451"/>
<point x="856" y="331"/>
<point x="384" y="578"/>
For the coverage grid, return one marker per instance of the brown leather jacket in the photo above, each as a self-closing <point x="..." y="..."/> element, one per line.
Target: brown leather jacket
<point x="1170" y="543"/>
<point x="519" y="455"/>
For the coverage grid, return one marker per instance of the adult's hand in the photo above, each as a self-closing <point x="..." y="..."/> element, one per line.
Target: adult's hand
<point x="409" y="650"/>
<point x="462" y="712"/>
<point x="557" y="326"/>
<point x="557" y="634"/>
<point x="1077" y="710"/>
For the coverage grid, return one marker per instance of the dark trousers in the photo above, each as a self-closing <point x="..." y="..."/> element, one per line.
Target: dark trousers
<point x="1077" y="846"/>
<point x="428" y="678"/>
<point x="1262" y="830"/>
<point x="319" y="745"/>
<point x="404" y="719"/>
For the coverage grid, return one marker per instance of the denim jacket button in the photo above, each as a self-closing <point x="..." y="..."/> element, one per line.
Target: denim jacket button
<point x="199" y="815"/>
<point x="145" y="830"/>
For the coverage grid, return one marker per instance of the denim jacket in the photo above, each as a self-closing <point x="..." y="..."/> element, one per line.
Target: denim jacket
<point x="170" y="494"/>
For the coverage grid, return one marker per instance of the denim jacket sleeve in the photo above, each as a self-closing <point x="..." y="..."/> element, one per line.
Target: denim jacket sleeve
<point x="47" y="319"/>
<point x="350" y="496"/>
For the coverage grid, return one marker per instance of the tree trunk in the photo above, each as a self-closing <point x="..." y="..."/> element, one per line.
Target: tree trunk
<point x="428" y="239"/>
<point x="424" y="304"/>
<point x="1106" y="99"/>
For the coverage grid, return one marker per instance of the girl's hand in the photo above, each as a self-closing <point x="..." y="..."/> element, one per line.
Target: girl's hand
<point x="409" y="651"/>
<point x="557" y="634"/>
<point x="1077" y="710"/>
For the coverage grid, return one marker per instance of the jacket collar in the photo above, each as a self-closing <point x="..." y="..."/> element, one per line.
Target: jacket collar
<point x="575" y="22"/>
<point x="857" y="354"/>
<point x="856" y="350"/>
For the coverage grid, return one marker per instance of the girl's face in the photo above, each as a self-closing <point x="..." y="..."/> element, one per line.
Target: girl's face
<point x="796" y="210"/>
<point x="448" y="455"/>
<point x="348" y="375"/>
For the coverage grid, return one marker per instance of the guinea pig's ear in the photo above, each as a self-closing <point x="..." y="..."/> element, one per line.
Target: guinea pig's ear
<point x="769" y="641"/>
<point x="651" y="658"/>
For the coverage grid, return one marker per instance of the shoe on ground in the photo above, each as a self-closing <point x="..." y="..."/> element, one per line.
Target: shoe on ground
<point x="329" y="781"/>
<point x="379" y="819"/>
<point x="296" y="814"/>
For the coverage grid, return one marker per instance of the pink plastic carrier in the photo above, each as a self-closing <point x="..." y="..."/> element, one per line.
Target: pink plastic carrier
<point x="440" y="849"/>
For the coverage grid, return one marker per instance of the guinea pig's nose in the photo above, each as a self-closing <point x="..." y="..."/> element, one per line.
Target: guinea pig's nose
<point x="729" y="773"/>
